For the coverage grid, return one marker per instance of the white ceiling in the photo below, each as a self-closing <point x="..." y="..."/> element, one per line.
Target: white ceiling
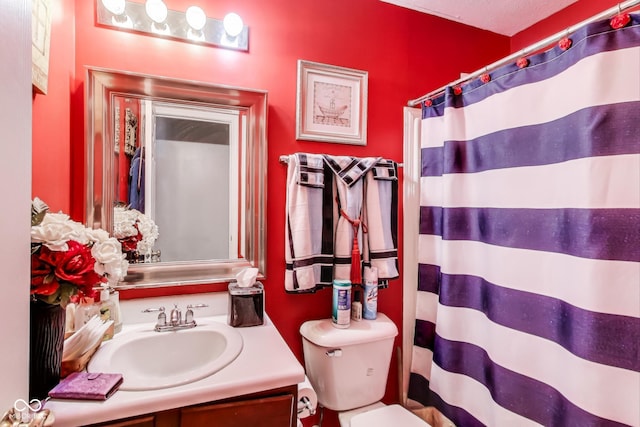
<point x="507" y="17"/>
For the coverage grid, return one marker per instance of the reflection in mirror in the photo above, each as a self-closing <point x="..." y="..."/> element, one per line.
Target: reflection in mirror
<point x="192" y="157"/>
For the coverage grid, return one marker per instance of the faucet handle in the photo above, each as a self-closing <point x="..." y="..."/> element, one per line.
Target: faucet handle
<point x="188" y="316"/>
<point x="162" y="317"/>
<point x="176" y="315"/>
<point x="153" y="310"/>
<point x="190" y="306"/>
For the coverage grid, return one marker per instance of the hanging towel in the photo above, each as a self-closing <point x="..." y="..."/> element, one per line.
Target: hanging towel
<point x="309" y="224"/>
<point x="349" y="173"/>
<point x="319" y="239"/>
<point x="380" y="214"/>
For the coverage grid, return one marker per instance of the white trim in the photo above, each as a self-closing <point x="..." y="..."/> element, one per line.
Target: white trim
<point x="411" y="205"/>
<point x="209" y="114"/>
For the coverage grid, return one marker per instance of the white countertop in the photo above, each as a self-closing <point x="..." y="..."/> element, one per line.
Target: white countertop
<point x="265" y="362"/>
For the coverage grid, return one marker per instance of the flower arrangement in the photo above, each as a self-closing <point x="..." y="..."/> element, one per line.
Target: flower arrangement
<point x="68" y="258"/>
<point x="135" y="230"/>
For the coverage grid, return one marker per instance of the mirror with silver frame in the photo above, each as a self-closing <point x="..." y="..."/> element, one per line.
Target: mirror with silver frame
<point x="202" y="178"/>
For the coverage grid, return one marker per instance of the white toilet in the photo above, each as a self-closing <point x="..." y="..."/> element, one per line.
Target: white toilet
<point x="348" y="369"/>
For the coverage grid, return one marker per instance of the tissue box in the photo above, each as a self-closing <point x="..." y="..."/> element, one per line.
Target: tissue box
<point x="246" y="305"/>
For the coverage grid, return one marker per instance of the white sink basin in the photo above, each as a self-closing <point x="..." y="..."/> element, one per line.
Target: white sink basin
<point x="150" y="360"/>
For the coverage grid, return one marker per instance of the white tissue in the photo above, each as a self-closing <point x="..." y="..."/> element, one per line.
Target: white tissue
<point x="247" y="277"/>
<point x="306" y="390"/>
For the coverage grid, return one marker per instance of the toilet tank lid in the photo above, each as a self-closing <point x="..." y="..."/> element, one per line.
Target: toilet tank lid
<point x="323" y="333"/>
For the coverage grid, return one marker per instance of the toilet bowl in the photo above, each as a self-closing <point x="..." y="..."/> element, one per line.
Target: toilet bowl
<point x="348" y="369"/>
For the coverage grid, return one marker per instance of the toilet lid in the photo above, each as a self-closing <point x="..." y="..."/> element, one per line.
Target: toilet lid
<point x="388" y="416"/>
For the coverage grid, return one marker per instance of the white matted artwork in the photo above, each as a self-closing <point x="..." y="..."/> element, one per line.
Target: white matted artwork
<point x="40" y="43"/>
<point x="331" y="104"/>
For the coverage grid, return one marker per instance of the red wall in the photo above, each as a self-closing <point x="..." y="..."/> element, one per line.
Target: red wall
<point x="405" y="52"/>
<point x="51" y="114"/>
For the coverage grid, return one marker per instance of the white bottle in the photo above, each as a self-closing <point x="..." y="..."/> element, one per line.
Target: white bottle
<point x="370" y="305"/>
<point x="85" y="310"/>
<point x="107" y="310"/>
<point x="114" y="296"/>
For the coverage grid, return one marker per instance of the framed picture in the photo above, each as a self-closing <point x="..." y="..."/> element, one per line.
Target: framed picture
<point x="331" y="104"/>
<point x="40" y="43"/>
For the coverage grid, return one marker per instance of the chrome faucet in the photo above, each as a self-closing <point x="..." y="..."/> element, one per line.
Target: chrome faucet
<point x="175" y="318"/>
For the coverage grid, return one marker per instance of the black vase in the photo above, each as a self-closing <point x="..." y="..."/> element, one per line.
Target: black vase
<point x="46" y="339"/>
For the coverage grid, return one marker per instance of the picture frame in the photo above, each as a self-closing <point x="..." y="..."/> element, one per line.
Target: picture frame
<point x="40" y="44"/>
<point x="331" y="104"/>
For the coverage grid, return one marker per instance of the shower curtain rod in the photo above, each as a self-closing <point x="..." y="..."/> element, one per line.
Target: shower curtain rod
<point x="285" y="159"/>
<point x="625" y="5"/>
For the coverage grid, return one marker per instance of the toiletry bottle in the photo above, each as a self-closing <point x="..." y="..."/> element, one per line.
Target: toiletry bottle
<point x="370" y="305"/>
<point x="341" y="312"/>
<point x="85" y="310"/>
<point x="70" y="319"/>
<point x="356" y="307"/>
<point x="114" y="296"/>
<point x="106" y="311"/>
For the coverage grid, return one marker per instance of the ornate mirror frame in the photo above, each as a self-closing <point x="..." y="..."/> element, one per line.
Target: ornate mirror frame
<point x="102" y="85"/>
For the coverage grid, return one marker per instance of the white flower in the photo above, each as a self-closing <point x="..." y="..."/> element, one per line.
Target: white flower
<point x="97" y="235"/>
<point x="124" y="223"/>
<point x="149" y="231"/>
<point x="110" y="260"/>
<point x="130" y="222"/>
<point x="55" y="231"/>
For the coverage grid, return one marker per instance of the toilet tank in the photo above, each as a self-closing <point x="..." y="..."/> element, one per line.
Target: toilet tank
<point x="348" y="368"/>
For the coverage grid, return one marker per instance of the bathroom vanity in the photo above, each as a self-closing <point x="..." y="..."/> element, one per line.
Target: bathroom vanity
<point x="272" y="408"/>
<point x="259" y="387"/>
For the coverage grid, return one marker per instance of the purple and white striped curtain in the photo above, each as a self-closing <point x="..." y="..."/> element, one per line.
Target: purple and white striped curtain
<point x="528" y="307"/>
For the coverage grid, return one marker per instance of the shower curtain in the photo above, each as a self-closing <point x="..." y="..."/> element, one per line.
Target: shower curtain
<point x="528" y="306"/>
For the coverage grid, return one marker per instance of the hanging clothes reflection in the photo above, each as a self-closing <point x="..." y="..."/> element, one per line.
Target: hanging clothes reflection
<point x="136" y="180"/>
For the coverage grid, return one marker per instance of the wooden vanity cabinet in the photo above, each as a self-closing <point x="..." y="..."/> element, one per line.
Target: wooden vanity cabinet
<point x="273" y="408"/>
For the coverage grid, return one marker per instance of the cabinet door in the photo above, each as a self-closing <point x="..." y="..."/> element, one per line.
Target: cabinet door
<point x="276" y="411"/>
<point x="144" y="421"/>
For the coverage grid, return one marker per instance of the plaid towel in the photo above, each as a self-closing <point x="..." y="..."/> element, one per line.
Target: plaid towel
<point x="350" y="169"/>
<point x="310" y="171"/>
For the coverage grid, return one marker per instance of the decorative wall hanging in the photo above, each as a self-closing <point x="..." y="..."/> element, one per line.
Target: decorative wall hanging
<point x="331" y="104"/>
<point x="40" y="42"/>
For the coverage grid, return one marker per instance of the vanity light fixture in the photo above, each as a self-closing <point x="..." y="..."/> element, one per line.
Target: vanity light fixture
<point x="117" y="8"/>
<point x="154" y="18"/>
<point x="196" y="20"/>
<point x="233" y="25"/>
<point x="157" y="11"/>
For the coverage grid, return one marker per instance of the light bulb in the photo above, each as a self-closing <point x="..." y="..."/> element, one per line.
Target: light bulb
<point x="114" y="6"/>
<point x="233" y="24"/>
<point x="196" y="18"/>
<point x="156" y="10"/>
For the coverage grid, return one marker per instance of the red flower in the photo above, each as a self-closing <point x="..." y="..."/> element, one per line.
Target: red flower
<point x="620" y="21"/>
<point x="130" y="243"/>
<point x="485" y="78"/>
<point x="43" y="279"/>
<point x="522" y="62"/>
<point x="75" y="266"/>
<point x="428" y="103"/>
<point x="457" y="90"/>
<point x="565" y="43"/>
